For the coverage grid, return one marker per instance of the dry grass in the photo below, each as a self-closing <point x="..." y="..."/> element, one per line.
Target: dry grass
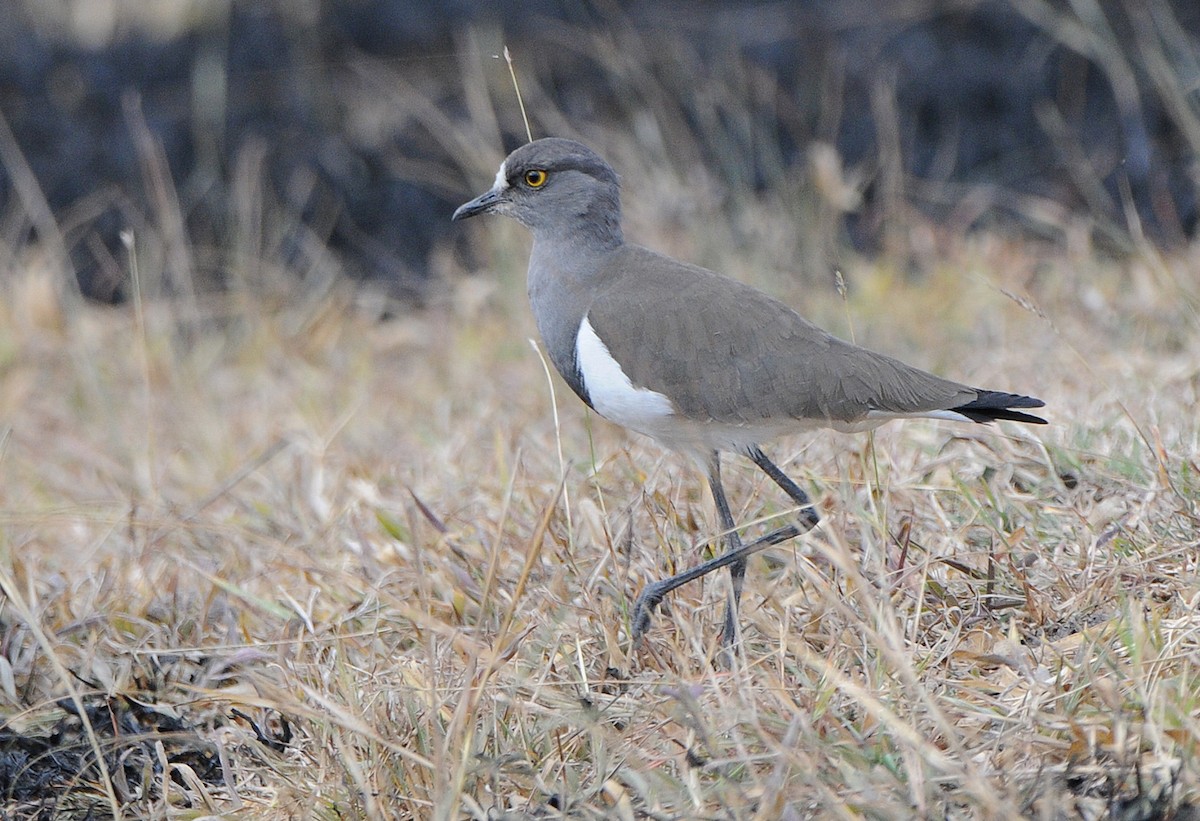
<point x="293" y="562"/>
<point x="359" y="532"/>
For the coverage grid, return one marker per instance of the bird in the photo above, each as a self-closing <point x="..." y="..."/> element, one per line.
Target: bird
<point x="700" y="362"/>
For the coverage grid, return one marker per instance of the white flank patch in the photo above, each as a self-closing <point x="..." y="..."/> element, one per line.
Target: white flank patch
<point x="613" y="396"/>
<point x="501" y="177"/>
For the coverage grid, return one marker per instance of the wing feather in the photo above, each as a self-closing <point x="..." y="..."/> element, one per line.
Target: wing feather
<point x="741" y="356"/>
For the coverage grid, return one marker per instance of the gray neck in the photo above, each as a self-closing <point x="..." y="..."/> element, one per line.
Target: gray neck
<point x="565" y="269"/>
<point x="600" y="219"/>
<point x="570" y="246"/>
<point x="573" y="256"/>
<point x="590" y="227"/>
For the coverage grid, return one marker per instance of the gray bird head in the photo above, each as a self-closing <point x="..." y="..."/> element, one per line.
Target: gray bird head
<point x="555" y="186"/>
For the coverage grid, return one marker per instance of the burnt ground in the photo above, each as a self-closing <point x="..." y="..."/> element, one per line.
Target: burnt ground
<point x="48" y="764"/>
<point x="963" y="108"/>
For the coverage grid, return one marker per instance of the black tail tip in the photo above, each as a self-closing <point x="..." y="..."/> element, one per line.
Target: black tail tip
<point x="992" y="406"/>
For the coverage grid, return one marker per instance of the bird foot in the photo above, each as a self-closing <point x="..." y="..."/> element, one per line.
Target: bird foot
<point x="643" y="610"/>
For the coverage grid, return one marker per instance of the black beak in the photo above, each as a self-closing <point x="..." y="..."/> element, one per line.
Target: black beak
<point x="480" y="205"/>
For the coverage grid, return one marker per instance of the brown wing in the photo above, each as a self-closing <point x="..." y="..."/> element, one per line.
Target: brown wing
<point x="720" y="350"/>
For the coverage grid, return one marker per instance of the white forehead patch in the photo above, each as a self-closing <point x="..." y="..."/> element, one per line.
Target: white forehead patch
<point x="501" y="177"/>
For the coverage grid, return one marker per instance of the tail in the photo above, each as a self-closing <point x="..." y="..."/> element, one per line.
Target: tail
<point x="990" y="406"/>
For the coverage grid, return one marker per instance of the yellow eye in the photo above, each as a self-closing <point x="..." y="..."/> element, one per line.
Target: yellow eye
<point x="536" y="178"/>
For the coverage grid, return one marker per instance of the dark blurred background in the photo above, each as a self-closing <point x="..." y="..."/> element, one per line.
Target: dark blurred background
<point x="249" y="142"/>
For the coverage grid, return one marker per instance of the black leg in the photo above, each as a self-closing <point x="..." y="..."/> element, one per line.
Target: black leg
<point x="653" y="593"/>
<point x="789" y="487"/>
<point x="735" y="557"/>
<point x="737" y="569"/>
